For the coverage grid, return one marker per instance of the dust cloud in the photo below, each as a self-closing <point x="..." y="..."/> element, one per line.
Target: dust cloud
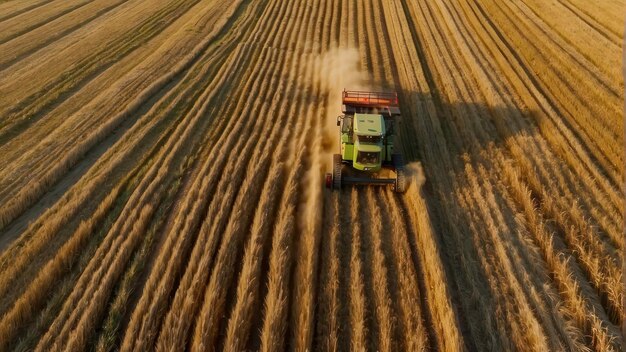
<point x="415" y="175"/>
<point x="338" y="69"/>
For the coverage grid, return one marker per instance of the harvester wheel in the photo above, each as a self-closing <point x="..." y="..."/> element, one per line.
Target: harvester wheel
<point x="337" y="171"/>
<point x="398" y="164"/>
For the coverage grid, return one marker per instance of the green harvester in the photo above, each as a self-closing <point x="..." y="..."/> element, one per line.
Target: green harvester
<point x="367" y="135"/>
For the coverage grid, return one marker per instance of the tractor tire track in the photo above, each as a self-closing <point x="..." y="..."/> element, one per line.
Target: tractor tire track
<point x="51" y="94"/>
<point x="24" y="27"/>
<point x="609" y="33"/>
<point x="33" y="42"/>
<point x="26" y="8"/>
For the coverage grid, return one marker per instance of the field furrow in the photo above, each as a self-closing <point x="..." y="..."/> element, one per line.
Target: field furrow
<point x="25" y="23"/>
<point x="88" y="139"/>
<point x="11" y="9"/>
<point x="163" y="167"/>
<point x="35" y="40"/>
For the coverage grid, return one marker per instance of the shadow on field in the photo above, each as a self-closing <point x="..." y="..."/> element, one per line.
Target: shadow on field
<point x="435" y="130"/>
<point x="444" y="137"/>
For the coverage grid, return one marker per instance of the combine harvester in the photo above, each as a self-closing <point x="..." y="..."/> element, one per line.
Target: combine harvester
<point x="366" y="137"/>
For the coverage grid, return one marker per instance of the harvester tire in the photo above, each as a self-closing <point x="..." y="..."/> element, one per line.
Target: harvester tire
<point x="398" y="164"/>
<point x="337" y="171"/>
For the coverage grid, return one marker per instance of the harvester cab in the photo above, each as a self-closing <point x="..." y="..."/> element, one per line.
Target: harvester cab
<point x="366" y="137"/>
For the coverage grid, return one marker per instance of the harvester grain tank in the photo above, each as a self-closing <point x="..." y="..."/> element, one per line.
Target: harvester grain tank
<point x="367" y="131"/>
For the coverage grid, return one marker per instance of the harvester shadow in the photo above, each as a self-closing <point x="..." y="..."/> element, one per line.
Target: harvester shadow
<point x="444" y="138"/>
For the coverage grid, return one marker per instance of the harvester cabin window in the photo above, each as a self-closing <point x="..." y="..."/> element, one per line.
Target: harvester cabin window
<point x="369" y="139"/>
<point x="368" y="157"/>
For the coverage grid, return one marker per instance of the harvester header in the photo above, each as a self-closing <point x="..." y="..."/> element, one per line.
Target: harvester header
<point x="354" y="101"/>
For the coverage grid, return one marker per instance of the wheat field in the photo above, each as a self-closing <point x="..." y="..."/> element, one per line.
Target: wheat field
<point x="162" y="165"/>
